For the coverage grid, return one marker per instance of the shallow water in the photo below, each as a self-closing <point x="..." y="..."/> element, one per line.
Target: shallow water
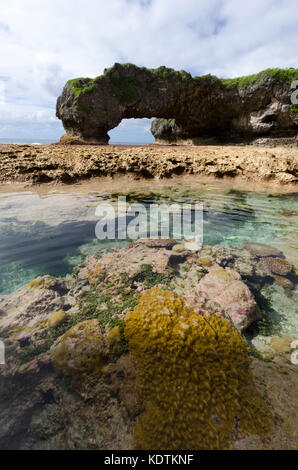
<point x="49" y="231"/>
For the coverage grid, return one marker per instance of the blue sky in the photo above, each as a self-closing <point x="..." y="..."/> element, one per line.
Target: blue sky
<point x="45" y="43"/>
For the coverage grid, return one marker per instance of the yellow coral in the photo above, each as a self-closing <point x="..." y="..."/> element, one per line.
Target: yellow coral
<point x="179" y="248"/>
<point x="114" y="336"/>
<point x="94" y="274"/>
<point x="56" y="318"/>
<point x="205" y="261"/>
<point x="193" y="376"/>
<point x="224" y="275"/>
<point x="41" y="282"/>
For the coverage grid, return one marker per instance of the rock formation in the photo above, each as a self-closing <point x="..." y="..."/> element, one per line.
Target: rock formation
<point x="191" y="108"/>
<point x="36" y="164"/>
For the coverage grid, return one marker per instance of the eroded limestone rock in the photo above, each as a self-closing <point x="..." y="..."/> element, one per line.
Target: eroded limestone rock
<point x="202" y="107"/>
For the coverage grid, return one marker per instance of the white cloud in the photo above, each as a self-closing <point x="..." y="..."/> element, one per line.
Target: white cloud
<point x="42" y="44"/>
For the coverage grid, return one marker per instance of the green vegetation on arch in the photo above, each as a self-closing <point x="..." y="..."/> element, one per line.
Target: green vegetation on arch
<point x="279" y="75"/>
<point x="125" y="86"/>
<point x="294" y="109"/>
<point x="81" y="85"/>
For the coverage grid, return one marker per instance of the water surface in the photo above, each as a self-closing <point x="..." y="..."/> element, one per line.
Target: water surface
<point x="48" y="230"/>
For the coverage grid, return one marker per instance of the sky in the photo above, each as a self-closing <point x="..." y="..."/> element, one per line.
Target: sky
<point x="44" y="43"/>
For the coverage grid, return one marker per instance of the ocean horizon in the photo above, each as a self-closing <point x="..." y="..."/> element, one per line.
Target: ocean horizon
<point x="36" y="141"/>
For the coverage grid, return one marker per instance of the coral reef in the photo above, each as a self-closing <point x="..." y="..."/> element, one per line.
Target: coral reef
<point x="193" y="377"/>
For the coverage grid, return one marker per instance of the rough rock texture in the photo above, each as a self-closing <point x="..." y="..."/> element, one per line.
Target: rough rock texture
<point x="261" y="250"/>
<point x="277" y="265"/>
<point x="166" y="132"/>
<point x="234" y="297"/>
<point x="39" y="164"/>
<point x="82" y="351"/>
<point x="206" y="106"/>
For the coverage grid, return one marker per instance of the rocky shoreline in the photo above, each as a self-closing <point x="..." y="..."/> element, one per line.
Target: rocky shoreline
<point x="68" y="164"/>
<point x="69" y="380"/>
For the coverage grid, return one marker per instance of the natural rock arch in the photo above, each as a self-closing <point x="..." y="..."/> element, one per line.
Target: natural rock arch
<point x="190" y="108"/>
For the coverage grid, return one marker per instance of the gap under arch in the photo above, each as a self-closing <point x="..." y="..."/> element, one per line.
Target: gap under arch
<point x="132" y="132"/>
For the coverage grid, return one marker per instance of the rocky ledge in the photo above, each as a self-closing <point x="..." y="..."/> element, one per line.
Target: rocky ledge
<point x="191" y="108"/>
<point x="42" y="164"/>
<point x="74" y="345"/>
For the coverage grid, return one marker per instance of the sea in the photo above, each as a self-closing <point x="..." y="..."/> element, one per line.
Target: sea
<point x="37" y="141"/>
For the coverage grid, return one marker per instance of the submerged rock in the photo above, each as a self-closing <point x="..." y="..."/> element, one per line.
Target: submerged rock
<point x="31" y="306"/>
<point x="82" y="351"/>
<point x="277" y="265"/>
<point x="160" y="243"/>
<point x="283" y="281"/>
<point x="234" y="297"/>
<point x="261" y="249"/>
<point x="56" y="318"/>
<point x="289" y="213"/>
<point x="282" y="344"/>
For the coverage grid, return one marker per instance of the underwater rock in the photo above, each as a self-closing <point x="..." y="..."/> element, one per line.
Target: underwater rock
<point x="193" y="377"/>
<point x="167" y="243"/>
<point x="56" y="318"/>
<point x="31" y="305"/>
<point x="82" y="351"/>
<point x="262" y="250"/>
<point x="277" y="265"/>
<point x="94" y="274"/>
<point x="289" y="213"/>
<point x="204" y="261"/>
<point x="282" y="344"/>
<point x="121" y="376"/>
<point x="40" y="410"/>
<point x="283" y="309"/>
<point x="223" y="255"/>
<point x="250" y="269"/>
<point x="178" y="248"/>
<point x="283" y="281"/>
<point x="114" y="336"/>
<point x="234" y="297"/>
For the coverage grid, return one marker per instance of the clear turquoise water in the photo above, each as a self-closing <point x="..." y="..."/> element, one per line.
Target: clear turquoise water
<point x="50" y="233"/>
